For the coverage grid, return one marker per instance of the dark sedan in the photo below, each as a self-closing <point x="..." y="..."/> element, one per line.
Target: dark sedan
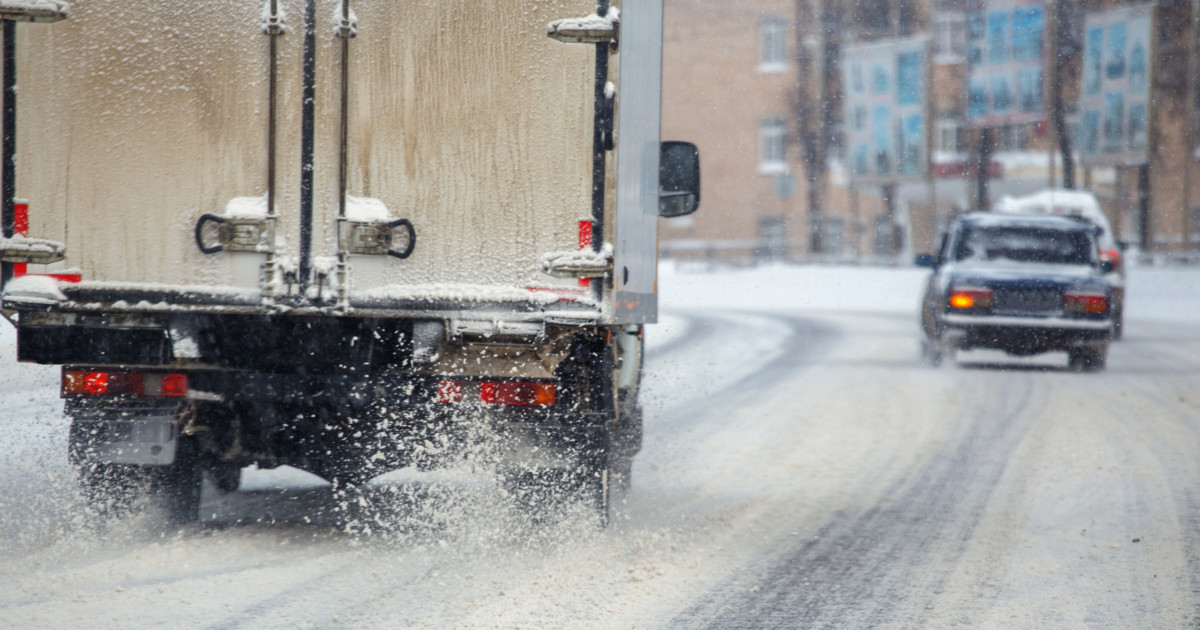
<point x="1021" y="284"/>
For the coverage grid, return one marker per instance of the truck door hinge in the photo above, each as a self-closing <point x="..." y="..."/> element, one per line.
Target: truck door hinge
<point x="583" y="263"/>
<point x="345" y="23"/>
<point x="377" y="238"/>
<point x="593" y="29"/>
<point x="35" y="251"/>
<point x="215" y="233"/>
<point x="273" y="19"/>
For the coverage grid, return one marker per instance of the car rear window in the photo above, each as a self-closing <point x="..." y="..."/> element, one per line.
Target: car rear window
<point x="1025" y="244"/>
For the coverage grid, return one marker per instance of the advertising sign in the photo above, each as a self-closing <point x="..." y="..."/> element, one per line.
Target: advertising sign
<point x="1006" y="55"/>
<point x="1114" y="98"/>
<point x="884" y="84"/>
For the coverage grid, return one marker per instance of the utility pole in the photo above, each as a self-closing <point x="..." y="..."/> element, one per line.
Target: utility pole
<point x="1190" y="128"/>
<point x="983" y="162"/>
<point x="1061" y="29"/>
<point x="809" y="94"/>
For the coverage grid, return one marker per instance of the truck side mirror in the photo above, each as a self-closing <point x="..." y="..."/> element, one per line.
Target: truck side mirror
<point x="678" y="179"/>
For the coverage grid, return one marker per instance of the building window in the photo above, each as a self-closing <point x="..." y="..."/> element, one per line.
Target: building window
<point x="947" y="136"/>
<point x="876" y="17"/>
<point x="772" y="46"/>
<point x="772" y="134"/>
<point x="949" y="36"/>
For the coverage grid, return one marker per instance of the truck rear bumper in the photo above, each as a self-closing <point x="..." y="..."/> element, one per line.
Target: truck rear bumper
<point x="141" y="434"/>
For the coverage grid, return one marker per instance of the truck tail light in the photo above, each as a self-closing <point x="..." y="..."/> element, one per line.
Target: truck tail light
<point x="1079" y="302"/>
<point x="520" y="394"/>
<point x="514" y="393"/>
<point x="970" y="297"/>
<point x="106" y="383"/>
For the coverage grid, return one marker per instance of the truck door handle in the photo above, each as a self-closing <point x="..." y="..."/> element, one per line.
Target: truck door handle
<point x="412" y="238"/>
<point x="205" y="219"/>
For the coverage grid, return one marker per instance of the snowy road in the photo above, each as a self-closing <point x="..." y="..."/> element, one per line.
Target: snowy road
<point x="800" y="470"/>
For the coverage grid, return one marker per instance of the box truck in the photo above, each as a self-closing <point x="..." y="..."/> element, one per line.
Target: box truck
<point x="344" y="236"/>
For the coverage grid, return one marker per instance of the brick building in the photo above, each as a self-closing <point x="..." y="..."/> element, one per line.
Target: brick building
<point x="756" y="84"/>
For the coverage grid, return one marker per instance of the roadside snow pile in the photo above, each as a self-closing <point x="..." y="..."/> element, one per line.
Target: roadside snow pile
<point x="1163" y="293"/>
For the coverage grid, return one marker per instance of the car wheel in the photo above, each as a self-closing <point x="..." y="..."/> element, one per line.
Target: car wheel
<point x="931" y="354"/>
<point x="1087" y="359"/>
<point x="1118" y="324"/>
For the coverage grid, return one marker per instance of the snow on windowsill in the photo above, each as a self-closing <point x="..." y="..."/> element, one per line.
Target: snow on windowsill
<point x="772" y="168"/>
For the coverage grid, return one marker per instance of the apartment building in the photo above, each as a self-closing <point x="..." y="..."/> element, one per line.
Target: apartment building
<point x="758" y="85"/>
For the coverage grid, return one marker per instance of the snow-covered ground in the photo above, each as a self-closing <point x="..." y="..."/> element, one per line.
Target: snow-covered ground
<point x="794" y="449"/>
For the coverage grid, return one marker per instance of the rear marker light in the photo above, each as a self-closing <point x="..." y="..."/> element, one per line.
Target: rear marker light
<point x="1095" y="303"/>
<point x="449" y="392"/>
<point x="1113" y="256"/>
<point x="970" y="298"/>
<point x="98" y="383"/>
<point x="515" y="393"/>
<point x="520" y="394"/>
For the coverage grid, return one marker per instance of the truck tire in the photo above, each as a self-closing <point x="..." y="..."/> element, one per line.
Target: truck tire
<point x="175" y="489"/>
<point x="109" y="489"/>
<point x="597" y="491"/>
<point x="543" y="493"/>
<point x="225" y="476"/>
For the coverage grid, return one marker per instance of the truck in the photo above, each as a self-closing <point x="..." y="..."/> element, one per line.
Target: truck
<point x="347" y="236"/>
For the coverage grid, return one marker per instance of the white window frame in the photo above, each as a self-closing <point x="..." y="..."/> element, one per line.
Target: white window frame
<point x="772" y="45"/>
<point x="947" y="138"/>
<point x="949" y="37"/>
<point x="772" y="142"/>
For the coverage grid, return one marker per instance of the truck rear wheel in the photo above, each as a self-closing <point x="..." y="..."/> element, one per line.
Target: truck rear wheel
<point x="175" y="489"/>
<point x="546" y="492"/>
<point x="225" y="476"/>
<point x="109" y="489"/>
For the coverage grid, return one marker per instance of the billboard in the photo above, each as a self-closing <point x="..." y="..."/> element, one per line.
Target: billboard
<point x="1114" y="97"/>
<point x="1006" y="57"/>
<point x="884" y="85"/>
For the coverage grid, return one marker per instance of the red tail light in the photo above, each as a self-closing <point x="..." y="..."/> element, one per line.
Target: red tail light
<point x="521" y="394"/>
<point x="102" y="383"/>
<point x="1079" y="302"/>
<point x="971" y="297"/>
<point x="1113" y="256"/>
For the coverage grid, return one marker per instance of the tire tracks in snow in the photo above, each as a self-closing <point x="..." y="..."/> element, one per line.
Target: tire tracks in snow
<point x="862" y="568"/>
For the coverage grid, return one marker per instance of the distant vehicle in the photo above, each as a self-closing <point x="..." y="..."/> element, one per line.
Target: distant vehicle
<point x="1080" y="205"/>
<point x="1023" y="284"/>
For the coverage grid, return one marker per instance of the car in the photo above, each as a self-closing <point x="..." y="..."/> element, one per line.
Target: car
<point x="1022" y="283"/>
<point x="1083" y="206"/>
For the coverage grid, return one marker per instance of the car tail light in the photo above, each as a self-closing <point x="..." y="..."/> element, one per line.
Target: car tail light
<point x="105" y="383"/>
<point x="970" y="297"/>
<point x="1080" y="302"/>
<point x="520" y="394"/>
<point x="1113" y="256"/>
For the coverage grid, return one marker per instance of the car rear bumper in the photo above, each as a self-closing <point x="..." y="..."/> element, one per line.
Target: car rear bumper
<point x="1024" y="335"/>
